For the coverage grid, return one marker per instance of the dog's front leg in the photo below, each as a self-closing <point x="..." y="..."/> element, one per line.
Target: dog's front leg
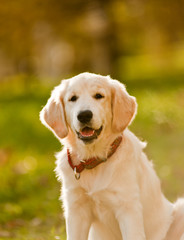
<point x="131" y="224"/>
<point x="78" y="219"/>
<point x="77" y="227"/>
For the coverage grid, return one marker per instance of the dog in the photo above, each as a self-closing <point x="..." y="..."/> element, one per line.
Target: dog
<point x="110" y="190"/>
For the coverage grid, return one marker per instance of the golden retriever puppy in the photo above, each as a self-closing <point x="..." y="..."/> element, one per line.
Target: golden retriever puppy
<point x="110" y="190"/>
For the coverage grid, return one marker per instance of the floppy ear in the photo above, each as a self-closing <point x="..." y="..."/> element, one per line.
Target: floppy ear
<point x="53" y="114"/>
<point x="124" y="107"/>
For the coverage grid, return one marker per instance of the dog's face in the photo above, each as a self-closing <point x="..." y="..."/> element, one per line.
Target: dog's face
<point x="88" y="105"/>
<point x="86" y="102"/>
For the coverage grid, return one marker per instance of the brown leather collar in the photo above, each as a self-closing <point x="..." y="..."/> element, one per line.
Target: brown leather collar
<point x="92" y="162"/>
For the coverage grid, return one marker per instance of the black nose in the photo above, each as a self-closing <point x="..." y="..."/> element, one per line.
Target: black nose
<point x="85" y="116"/>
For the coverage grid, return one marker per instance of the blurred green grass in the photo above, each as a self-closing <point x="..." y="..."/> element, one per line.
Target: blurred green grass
<point x="29" y="191"/>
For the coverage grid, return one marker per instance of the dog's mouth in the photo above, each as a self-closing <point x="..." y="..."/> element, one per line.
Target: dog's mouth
<point x="88" y="134"/>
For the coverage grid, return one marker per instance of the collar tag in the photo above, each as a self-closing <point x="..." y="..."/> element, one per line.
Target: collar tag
<point x="77" y="175"/>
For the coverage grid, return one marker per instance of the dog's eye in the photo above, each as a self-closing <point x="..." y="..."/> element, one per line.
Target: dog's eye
<point x="73" y="98"/>
<point x="98" y="96"/>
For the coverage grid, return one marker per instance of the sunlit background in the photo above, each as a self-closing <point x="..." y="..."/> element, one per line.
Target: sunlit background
<point x="139" y="42"/>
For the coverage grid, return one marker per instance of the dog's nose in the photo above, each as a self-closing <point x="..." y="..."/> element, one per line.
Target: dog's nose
<point x="85" y="116"/>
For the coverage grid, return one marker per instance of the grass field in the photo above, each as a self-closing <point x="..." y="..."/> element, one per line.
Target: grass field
<point x="29" y="191"/>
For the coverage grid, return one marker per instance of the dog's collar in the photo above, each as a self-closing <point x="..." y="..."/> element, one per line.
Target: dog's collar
<point x="92" y="162"/>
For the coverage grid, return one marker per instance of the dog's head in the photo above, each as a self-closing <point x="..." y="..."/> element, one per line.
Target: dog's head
<point x="88" y="105"/>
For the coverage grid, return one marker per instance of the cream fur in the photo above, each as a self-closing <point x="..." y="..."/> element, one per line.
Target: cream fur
<point x="121" y="198"/>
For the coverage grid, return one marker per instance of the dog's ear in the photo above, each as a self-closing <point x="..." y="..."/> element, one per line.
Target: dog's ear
<point x="53" y="114"/>
<point x="124" y="107"/>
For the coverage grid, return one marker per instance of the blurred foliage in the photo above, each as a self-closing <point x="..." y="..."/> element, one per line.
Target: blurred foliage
<point x="29" y="193"/>
<point x="59" y="38"/>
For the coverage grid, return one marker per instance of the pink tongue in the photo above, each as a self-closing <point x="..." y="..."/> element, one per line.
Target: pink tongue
<point x="87" y="132"/>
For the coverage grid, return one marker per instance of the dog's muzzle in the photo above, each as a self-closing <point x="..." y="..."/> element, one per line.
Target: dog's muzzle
<point x="87" y="134"/>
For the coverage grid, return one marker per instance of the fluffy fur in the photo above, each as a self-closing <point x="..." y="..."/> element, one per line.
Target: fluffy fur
<point x="118" y="199"/>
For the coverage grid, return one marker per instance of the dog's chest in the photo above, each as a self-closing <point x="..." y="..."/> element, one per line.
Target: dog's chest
<point x="103" y="194"/>
<point x="102" y="205"/>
